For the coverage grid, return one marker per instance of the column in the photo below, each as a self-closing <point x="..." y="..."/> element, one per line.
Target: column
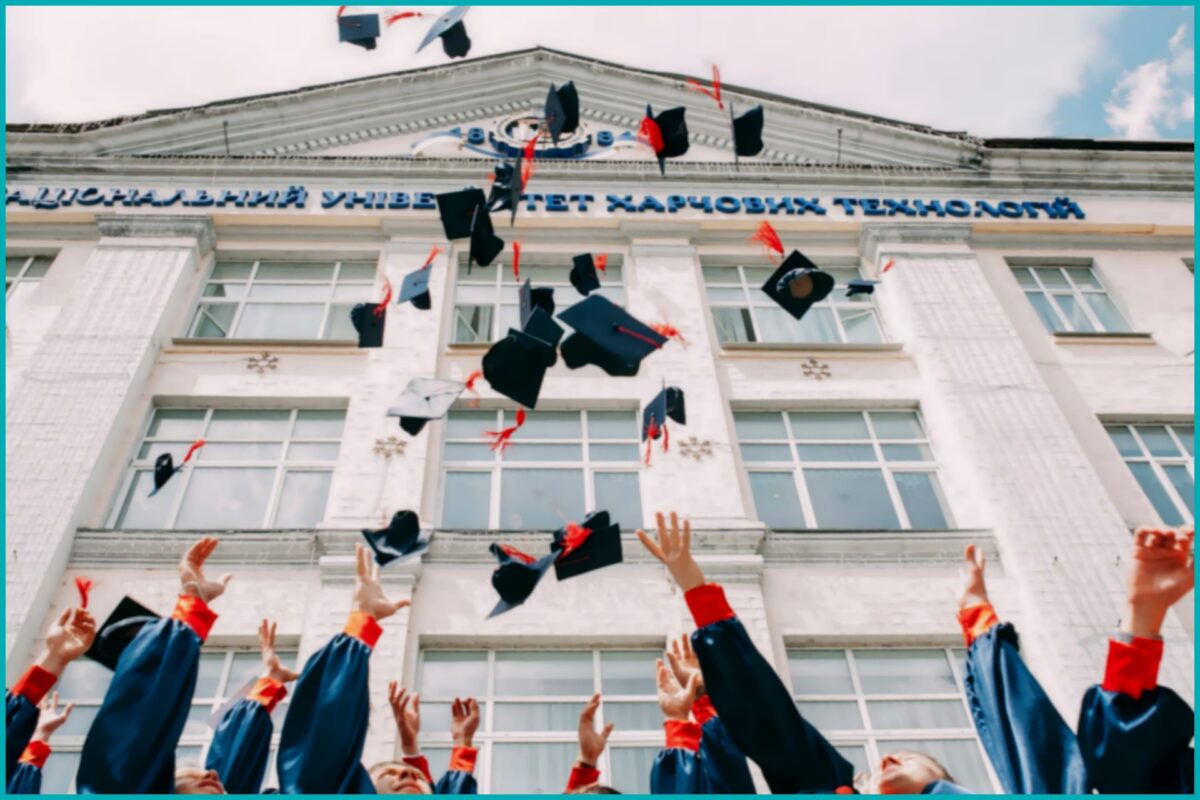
<point x="80" y="392"/>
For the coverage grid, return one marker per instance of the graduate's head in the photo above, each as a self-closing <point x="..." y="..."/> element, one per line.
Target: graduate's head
<point x="396" y="777"/>
<point x="907" y="772"/>
<point x="197" y="780"/>
<point x="595" y="788"/>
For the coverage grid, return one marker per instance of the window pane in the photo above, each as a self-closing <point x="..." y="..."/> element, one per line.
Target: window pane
<point x="280" y="270"/>
<point x="632" y="716"/>
<point x="59" y="772"/>
<point x="613" y="452"/>
<point x="620" y="494"/>
<point x="355" y="292"/>
<point x="1110" y="319"/>
<point x="231" y="270"/>
<point x="453" y="674"/>
<point x="922" y="499"/>
<point x="819" y="672"/>
<point x="227" y="290"/>
<point x="544" y="674"/>
<point x="338" y="325"/>
<point x="1157" y="440"/>
<point x="85" y="680"/>
<point x="733" y="325"/>
<point x="524" y="451"/>
<point x="1052" y="278"/>
<point x="247" y="666"/>
<point x="530" y="768"/>
<point x="861" y="327"/>
<point x="824" y="425"/>
<point x="237" y="451"/>
<point x="1123" y="439"/>
<point x="961" y="757"/>
<point x="1045" y="311"/>
<point x="13" y="265"/>
<point x="907" y="452"/>
<point x="904" y="672"/>
<point x="831" y="716"/>
<point x="214" y="320"/>
<point x="818" y="326"/>
<point x="908" y="714"/>
<point x="357" y="271"/>
<point x="897" y="425"/>
<point x="302" y="503"/>
<point x="319" y="424"/>
<point x="628" y="673"/>
<point x="313" y="451"/>
<point x="631" y="768"/>
<point x="536" y="717"/>
<point x="140" y="511"/>
<point x="835" y="452"/>
<point x="1181" y="479"/>
<point x="1084" y="277"/>
<point x="539" y="499"/>
<point x="290" y="291"/>
<point x="766" y="452"/>
<point x="79" y="722"/>
<point x="549" y="425"/>
<point x="208" y="679"/>
<point x="721" y="275"/>
<point x="280" y="321"/>
<point x="170" y="423"/>
<point x="226" y="498"/>
<point x="1076" y="319"/>
<point x="1155" y="492"/>
<point x="1187" y="435"/>
<point x="470" y="424"/>
<point x="759" y="426"/>
<point x="240" y="424"/>
<point x="612" y="425"/>
<point x="757" y="276"/>
<point x="776" y="500"/>
<point x="436" y="717"/>
<point x="466" y="501"/>
<point x="463" y="451"/>
<point x="850" y="499"/>
<point x="777" y="325"/>
<point x="726" y="296"/>
<point x="856" y="754"/>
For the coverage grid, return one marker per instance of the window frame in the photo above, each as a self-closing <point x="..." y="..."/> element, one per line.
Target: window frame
<point x="1157" y="463"/>
<point x="13" y="284"/>
<point x="1078" y="293"/>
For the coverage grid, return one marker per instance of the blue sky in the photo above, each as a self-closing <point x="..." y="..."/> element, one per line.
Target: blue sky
<point x="1080" y="71"/>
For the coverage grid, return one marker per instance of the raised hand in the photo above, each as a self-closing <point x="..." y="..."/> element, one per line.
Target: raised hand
<point x="272" y="667"/>
<point x="674" y="699"/>
<point x="406" y="709"/>
<point x="191" y="572"/>
<point x="464" y="721"/>
<point x="974" y="591"/>
<point x="674" y="549"/>
<point x="591" y="741"/>
<point x="368" y="590"/>
<point x="684" y="663"/>
<point x="49" y="720"/>
<point x="68" y="638"/>
<point x="1163" y="571"/>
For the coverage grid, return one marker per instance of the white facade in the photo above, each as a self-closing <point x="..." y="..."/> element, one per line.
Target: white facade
<point x="1015" y="416"/>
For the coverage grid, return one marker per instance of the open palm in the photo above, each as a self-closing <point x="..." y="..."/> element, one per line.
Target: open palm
<point x="1163" y="567"/>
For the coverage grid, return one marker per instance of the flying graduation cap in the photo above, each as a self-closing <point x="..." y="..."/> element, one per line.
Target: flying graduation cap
<point x="401" y="539"/>
<point x="359" y="29"/>
<point x="424" y="399"/>
<point x="533" y="299"/>
<point x="516" y="365"/>
<point x="607" y="336"/>
<point x="582" y="548"/>
<point x="667" y="405"/>
<point x="562" y="110"/>
<point x="415" y="289"/>
<point x="583" y="272"/>
<point x="860" y="286"/>
<point x="465" y="214"/>
<point x="165" y="469"/>
<point x="666" y="134"/>
<point x="453" y="33"/>
<point x="505" y="194"/>
<point x="517" y="576"/>
<point x="747" y="132"/>
<point x="118" y="631"/>
<point x="797" y="284"/>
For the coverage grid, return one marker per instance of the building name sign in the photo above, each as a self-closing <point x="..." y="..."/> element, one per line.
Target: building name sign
<point x="298" y="197"/>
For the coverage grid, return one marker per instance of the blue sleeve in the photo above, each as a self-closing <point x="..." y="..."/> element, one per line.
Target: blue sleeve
<point x="241" y="746"/>
<point x="1137" y="746"/>
<point x="456" y="781"/>
<point x="21" y="718"/>
<point x="130" y="747"/>
<point x="944" y="787"/>
<point x="760" y="716"/>
<point x="724" y="764"/>
<point x="677" y="770"/>
<point x="25" y="779"/>
<point x="320" y="748"/>
<point x="1030" y="746"/>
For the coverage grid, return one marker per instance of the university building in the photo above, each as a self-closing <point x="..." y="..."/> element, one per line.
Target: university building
<point x="1020" y="378"/>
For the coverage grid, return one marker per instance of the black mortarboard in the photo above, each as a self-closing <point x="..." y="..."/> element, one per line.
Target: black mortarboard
<point x="607" y="336"/>
<point x="485" y="244"/>
<point x="672" y="126"/>
<point x="531" y="298"/>
<point x="562" y="110"/>
<point x="516" y="365"/>
<point x="450" y="28"/>
<point x="116" y="633"/>
<point x="797" y="284"/>
<point x="400" y="539"/>
<point x="424" y="399"/>
<point x="583" y="274"/>
<point x="517" y="576"/>
<point x="860" y="286"/>
<point x="457" y="210"/>
<point x="369" y="324"/>
<point x="505" y="193"/>
<point x="416" y="289"/>
<point x="359" y="29"/>
<point x="581" y="551"/>
<point x="747" y="131"/>
<point x="667" y="404"/>
<point x="164" y="468"/>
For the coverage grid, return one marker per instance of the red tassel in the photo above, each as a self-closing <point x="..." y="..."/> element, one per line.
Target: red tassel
<point x="650" y="134"/>
<point x="500" y="439"/>
<point x="601" y="261"/>
<point x="646" y="460"/>
<point x="666" y="437"/>
<point x="381" y="308"/>
<point x="341" y="9"/>
<point x="516" y="261"/>
<point x="576" y="536"/>
<point x="84" y="586"/>
<point x="651" y="434"/>
<point x="196" y="445"/>
<point x="432" y="255"/>
<point x="474" y="376"/>
<point x="531" y="148"/>
<point x="669" y="331"/>
<point x="891" y="262"/>
<point x="636" y="335"/>
<point x="526" y="172"/>
<point x="403" y="15"/>
<point x="767" y="236"/>
<point x="714" y="92"/>
<point x="513" y="552"/>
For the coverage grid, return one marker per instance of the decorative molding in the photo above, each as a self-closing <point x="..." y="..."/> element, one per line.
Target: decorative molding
<point x="879" y="234"/>
<point x="262" y="364"/>
<point x="391" y="446"/>
<point x="817" y="370"/>
<point x="159" y="226"/>
<point x="696" y="449"/>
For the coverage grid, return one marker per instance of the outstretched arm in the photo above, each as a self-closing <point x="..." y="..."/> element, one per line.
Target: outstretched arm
<point x="27" y="777"/>
<point x="677" y="768"/>
<point x="460" y="777"/>
<point x="586" y="770"/>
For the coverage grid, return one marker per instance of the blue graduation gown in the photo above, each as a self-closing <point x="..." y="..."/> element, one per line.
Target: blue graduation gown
<point x="456" y="781"/>
<point x="1137" y="746"/>
<point x="459" y="777"/>
<point x="1030" y="746"/>
<point x="241" y="747"/>
<point x="716" y="767"/>
<point x="25" y="779"/>
<point x="21" y="718"/>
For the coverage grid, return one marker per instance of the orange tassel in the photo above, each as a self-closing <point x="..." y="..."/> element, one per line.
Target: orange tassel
<point x="669" y="331"/>
<point x="196" y="445"/>
<point x="601" y="261"/>
<point x="714" y="92"/>
<point x="84" y="586"/>
<point x="516" y="261"/>
<point x="650" y="134"/>
<point x="651" y="434"/>
<point x="576" y="536"/>
<point x="341" y="9"/>
<point x="387" y="298"/>
<point x="403" y="15"/>
<point x="513" y="552"/>
<point x="767" y="236"/>
<point x="434" y="253"/>
<point x="500" y="439"/>
<point x="891" y="262"/>
<point x="474" y="376"/>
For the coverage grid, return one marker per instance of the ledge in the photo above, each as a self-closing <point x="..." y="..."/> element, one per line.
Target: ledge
<point x="467" y="348"/>
<point x="794" y="348"/>
<point x="195" y="345"/>
<point x="1136" y="338"/>
<point x="869" y="547"/>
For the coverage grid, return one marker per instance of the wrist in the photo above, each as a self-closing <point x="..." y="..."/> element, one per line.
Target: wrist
<point x="1144" y="619"/>
<point x="585" y="761"/>
<point x="464" y="741"/>
<point x="409" y="747"/>
<point x="688" y="575"/>
<point x="52" y="662"/>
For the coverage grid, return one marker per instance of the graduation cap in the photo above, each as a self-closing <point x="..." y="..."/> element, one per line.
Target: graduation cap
<point x="453" y="32"/>
<point x="517" y="576"/>
<point x="369" y="319"/>
<point x="580" y="549"/>
<point x="747" y="131"/>
<point x="666" y="133"/>
<point x="607" y="336"/>
<point x="860" y="286"/>
<point x="416" y="289"/>
<point x="531" y="298"/>
<point x="165" y="469"/>
<point x="667" y="404"/>
<point x="359" y="29"/>
<point x="516" y="365"/>
<point x="562" y="110"/>
<point x="424" y="399"/>
<point x="118" y="631"/>
<point x="797" y="284"/>
<point x="485" y="244"/>
<point x="583" y="273"/>
<point x="457" y="211"/>
<point x="506" y="188"/>
<point x="399" y="540"/>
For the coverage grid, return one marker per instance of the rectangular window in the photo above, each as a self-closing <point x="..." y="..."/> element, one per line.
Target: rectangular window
<point x="278" y="299"/>
<point x="1070" y="299"/>
<point x="224" y="673"/>
<point x="560" y="465"/>
<point x="22" y="274"/>
<point x="1161" y="459"/>
<point x="530" y="703"/>
<point x="486" y="303"/>
<point x="743" y="312"/>
<point x="856" y="470"/>
<point x="258" y="469"/>
<point x="872" y="701"/>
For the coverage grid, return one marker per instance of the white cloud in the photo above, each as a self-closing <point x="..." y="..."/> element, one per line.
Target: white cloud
<point x="989" y="71"/>
<point x="1154" y="97"/>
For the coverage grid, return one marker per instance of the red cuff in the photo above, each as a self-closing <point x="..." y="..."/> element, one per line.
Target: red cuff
<point x="1132" y="668"/>
<point x="362" y="626"/>
<point x="34" y="684"/>
<point x="421" y="763"/>
<point x="269" y="692"/>
<point x="195" y="613"/>
<point x="977" y="620"/>
<point x="682" y="733"/>
<point x="582" y="776"/>
<point x="462" y="759"/>
<point x="708" y="604"/>
<point x="36" y="753"/>
<point x="703" y="709"/>
<point x="845" y="790"/>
